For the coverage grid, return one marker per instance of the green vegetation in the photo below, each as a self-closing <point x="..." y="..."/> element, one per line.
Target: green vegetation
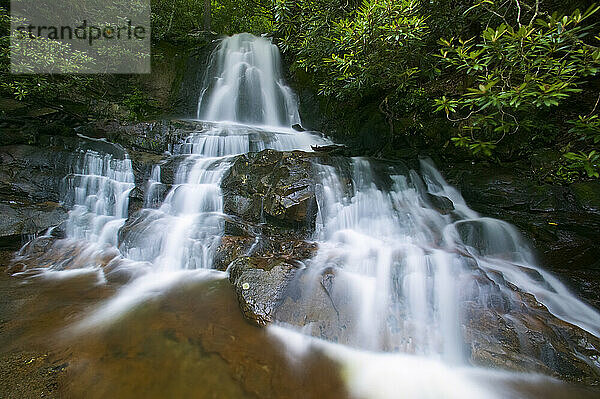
<point x="480" y="80"/>
<point x="182" y="19"/>
<point x="518" y="74"/>
<point x="510" y="77"/>
<point x="24" y="87"/>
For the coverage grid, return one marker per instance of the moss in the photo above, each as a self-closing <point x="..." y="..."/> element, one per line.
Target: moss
<point x="587" y="195"/>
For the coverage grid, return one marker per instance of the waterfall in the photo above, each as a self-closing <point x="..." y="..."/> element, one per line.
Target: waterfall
<point x="247" y="108"/>
<point x="244" y="84"/>
<point x="405" y="259"/>
<point x="98" y="192"/>
<point x="154" y="188"/>
<point x="405" y="272"/>
<point x="181" y="232"/>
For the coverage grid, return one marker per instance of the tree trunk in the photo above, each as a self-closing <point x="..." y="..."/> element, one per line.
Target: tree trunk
<point x="207" y="15"/>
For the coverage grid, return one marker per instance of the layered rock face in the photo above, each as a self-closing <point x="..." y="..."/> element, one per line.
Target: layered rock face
<point x="30" y="178"/>
<point x="561" y="221"/>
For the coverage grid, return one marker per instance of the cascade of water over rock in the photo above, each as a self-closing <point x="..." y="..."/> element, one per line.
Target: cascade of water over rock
<point x="244" y="84"/>
<point x="405" y="262"/>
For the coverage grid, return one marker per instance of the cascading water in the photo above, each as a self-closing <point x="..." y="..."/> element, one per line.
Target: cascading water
<point x="404" y="271"/>
<point x="154" y="188"/>
<point x="99" y="192"/>
<point x="244" y="84"/>
<point x="401" y="257"/>
<point x="182" y="230"/>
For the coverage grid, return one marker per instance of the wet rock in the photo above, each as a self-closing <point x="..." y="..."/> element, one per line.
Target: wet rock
<point x="149" y="137"/>
<point x="272" y="186"/>
<point x="440" y="203"/>
<point x="236" y="226"/>
<point x="37" y="248"/>
<point x="30" y="174"/>
<point x="293" y="251"/>
<point x="230" y="249"/>
<point x="587" y="195"/>
<point x="259" y="284"/>
<point x="233" y="247"/>
<point x="136" y="224"/>
<point x="136" y="200"/>
<point x="143" y="162"/>
<point x="321" y="304"/>
<point x="20" y="221"/>
<point x="528" y="338"/>
<point x="327" y="148"/>
<point x="297" y="127"/>
<point x="562" y="222"/>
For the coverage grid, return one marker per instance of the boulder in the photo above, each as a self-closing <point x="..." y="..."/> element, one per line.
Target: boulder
<point x="259" y="284"/>
<point x="270" y="201"/>
<point x="443" y="205"/>
<point x="277" y="187"/>
<point x="298" y="127"/>
<point x="136" y="200"/>
<point x="316" y="303"/>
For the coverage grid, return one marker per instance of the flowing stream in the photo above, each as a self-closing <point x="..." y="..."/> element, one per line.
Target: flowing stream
<point x="408" y="258"/>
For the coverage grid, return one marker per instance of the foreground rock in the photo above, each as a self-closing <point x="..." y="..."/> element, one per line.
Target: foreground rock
<point x="270" y="197"/>
<point x="261" y="271"/>
<point x="259" y="284"/>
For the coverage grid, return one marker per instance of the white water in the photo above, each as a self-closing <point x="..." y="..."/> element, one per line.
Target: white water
<point x="402" y="269"/>
<point x="244" y="84"/>
<point x="99" y="191"/>
<point x="181" y="231"/>
<point x="380" y="375"/>
<point x="403" y="272"/>
<point x="406" y="269"/>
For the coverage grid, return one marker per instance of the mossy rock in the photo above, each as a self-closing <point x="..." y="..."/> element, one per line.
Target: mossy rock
<point x="587" y="195"/>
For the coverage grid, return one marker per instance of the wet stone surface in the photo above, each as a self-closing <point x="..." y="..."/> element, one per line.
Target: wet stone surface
<point x="274" y="186"/>
<point x="191" y="341"/>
